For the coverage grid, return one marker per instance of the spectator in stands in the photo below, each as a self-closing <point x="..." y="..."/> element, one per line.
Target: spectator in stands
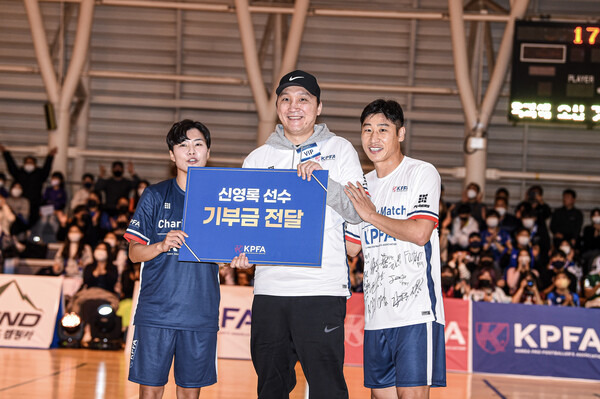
<point x="571" y="262"/>
<point x="462" y="226"/>
<point x="522" y="241"/>
<point x="141" y="186"/>
<point x="539" y="237"/>
<point x="20" y="206"/>
<point x="70" y="260"/>
<point x="515" y="274"/>
<point x="528" y="292"/>
<point x="81" y="196"/>
<point x="508" y="222"/>
<point x="116" y="186"/>
<point x="101" y="222"/>
<point x="471" y="197"/>
<point x="502" y="192"/>
<point x="495" y="239"/>
<point x="226" y="275"/>
<point x="7" y="218"/>
<point x="534" y="213"/>
<point x="557" y="263"/>
<point x="121" y="221"/>
<point x="99" y="280"/>
<point x="3" y="191"/>
<point x="31" y="178"/>
<point x="55" y="194"/>
<point x="356" y="265"/>
<point x="567" y="220"/>
<point x="590" y="240"/>
<point x="458" y="263"/>
<point x="591" y="285"/>
<point x="561" y="295"/>
<point x="118" y="251"/>
<point x="484" y="288"/>
<point x="244" y="277"/>
<point x="81" y="217"/>
<point x="452" y="286"/>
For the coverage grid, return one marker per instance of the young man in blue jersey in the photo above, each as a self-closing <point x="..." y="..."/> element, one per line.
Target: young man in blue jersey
<point x="404" y="317"/>
<point x="178" y="307"/>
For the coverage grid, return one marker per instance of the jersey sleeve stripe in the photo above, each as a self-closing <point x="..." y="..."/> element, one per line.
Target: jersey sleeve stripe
<point x="352" y="239"/>
<point x="135" y="236"/>
<point x="413" y="213"/>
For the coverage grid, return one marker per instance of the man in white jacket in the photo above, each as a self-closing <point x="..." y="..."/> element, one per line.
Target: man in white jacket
<point x="298" y="312"/>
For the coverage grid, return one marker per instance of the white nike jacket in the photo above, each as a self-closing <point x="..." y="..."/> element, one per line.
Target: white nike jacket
<point x="338" y="156"/>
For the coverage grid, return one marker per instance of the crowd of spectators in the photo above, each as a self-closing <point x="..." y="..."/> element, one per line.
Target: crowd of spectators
<point x="527" y="254"/>
<point x="85" y="229"/>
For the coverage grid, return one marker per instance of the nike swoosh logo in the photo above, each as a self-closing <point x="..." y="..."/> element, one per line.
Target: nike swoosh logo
<point x="295" y="77"/>
<point x="328" y="330"/>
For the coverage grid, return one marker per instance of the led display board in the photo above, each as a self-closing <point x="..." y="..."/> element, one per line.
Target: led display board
<point x="555" y="73"/>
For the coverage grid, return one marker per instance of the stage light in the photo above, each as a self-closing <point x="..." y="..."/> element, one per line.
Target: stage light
<point x="70" y="331"/>
<point x="106" y="329"/>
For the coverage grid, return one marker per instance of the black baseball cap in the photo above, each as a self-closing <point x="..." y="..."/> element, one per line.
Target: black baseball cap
<point x="302" y="79"/>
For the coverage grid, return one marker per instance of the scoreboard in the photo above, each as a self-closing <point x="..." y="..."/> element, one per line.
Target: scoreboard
<point x="555" y="73"/>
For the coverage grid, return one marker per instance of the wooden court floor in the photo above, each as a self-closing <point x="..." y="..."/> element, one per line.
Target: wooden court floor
<point x="84" y="373"/>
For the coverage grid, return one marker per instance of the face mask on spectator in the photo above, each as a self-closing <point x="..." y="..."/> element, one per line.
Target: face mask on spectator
<point x="485" y="283"/>
<point x="501" y="211"/>
<point x="74" y="237"/>
<point x="55" y="182"/>
<point x="112" y="243"/>
<point x="561" y="283"/>
<point x="92" y="203"/>
<point x="475" y="244"/>
<point x="528" y="223"/>
<point x="87" y="185"/>
<point x="523" y="260"/>
<point x="140" y="191"/>
<point x="492" y="222"/>
<point x="558" y="264"/>
<point x="566" y="249"/>
<point x="447" y="281"/>
<point x="471" y="194"/>
<point x="122" y="208"/>
<point x="16" y="192"/>
<point x="596" y="219"/>
<point x="523" y="240"/>
<point x="117" y="172"/>
<point x="29" y="167"/>
<point x="100" y="255"/>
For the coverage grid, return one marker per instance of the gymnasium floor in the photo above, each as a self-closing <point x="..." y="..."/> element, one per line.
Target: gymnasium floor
<point x="83" y="373"/>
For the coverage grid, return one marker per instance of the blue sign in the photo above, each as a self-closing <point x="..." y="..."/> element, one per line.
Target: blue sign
<point x="536" y="340"/>
<point x="271" y="215"/>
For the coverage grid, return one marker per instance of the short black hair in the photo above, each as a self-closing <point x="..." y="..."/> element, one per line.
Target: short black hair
<point x="571" y="192"/>
<point x="118" y="163"/>
<point x="502" y="190"/>
<point x="178" y="132"/>
<point x="87" y="175"/>
<point x="389" y="108"/>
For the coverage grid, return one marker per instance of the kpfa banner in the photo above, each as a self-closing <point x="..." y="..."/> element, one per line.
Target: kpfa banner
<point x="536" y="340"/>
<point x="235" y="317"/>
<point x="28" y="310"/>
<point x="456" y="332"/>
<point x="271" y="215"/>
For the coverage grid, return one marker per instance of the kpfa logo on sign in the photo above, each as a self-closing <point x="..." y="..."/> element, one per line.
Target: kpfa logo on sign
<point x="492" y="337"/>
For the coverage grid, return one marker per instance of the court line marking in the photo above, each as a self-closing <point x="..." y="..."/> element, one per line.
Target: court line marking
<point x="42" y="377"/>
<point x="493" y="388"/>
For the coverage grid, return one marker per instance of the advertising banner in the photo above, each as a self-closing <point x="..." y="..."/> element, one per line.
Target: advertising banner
<point x="354" y="329"/>
<point x="235" y="316"/>
<point x="28" y="310"/>
<point x="271" y="215"/>
<point x="536" y="340"/>
<point x="456" y="332"/>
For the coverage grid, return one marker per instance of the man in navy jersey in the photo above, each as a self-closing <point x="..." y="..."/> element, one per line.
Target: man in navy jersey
<point x="404" y="317"/>
<point x="178" y="308"/>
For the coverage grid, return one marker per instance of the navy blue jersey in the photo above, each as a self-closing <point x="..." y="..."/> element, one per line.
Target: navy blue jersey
<point x="173" y="294"/>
